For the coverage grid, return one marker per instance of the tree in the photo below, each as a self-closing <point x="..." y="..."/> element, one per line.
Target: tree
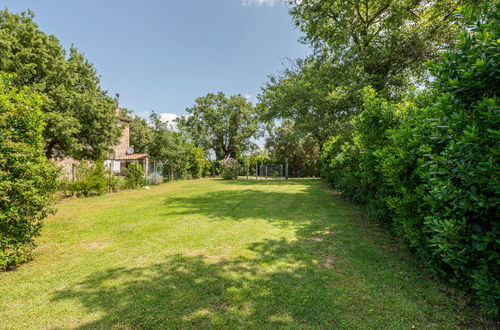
<point x="287" y="142"/>
<point x="80" y="116"/>
<point x="27" y="178"/>
<point x="169" y="147"/>
<point x="141" y="135"/>
<point x="222" y="124"/>
<point x="390" y="40"/>
<point x="378" y="43"/>
<point x="318" y="94"/>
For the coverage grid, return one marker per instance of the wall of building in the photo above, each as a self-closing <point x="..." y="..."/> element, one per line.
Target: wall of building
<point x="67" y="167"/>
<point x="124" y="142"/>
<point x="67" y="164"/>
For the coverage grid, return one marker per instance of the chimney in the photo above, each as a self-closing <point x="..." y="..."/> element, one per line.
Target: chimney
<point x="117" y="99"/>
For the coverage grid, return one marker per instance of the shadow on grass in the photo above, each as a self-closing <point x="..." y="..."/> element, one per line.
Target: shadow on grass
<point x="287" y="203"/>
<point x="193" y="292"/>
<point x="339" y="271"/>
<point x="279" y="182"/>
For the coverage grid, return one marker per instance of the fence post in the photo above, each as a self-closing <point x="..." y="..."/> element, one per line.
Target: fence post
<point x="286" y="168"/>
<point x="110" y="175"/>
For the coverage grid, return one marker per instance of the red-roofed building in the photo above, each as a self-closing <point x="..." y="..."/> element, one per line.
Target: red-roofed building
<point x="123" y="154"/>
<point x="119" y="159"/>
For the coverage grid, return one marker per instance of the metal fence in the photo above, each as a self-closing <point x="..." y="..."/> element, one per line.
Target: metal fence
<point x="270" y="171"/>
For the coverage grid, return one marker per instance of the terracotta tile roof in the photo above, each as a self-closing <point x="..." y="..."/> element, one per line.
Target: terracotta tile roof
<point x="132" y="157"/>
<point x="125" y="119"/>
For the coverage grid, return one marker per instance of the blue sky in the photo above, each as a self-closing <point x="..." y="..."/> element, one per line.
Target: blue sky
<point x="162" y="54"/>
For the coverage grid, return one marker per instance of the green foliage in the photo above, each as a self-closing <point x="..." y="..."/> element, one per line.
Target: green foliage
<point x="208" y="169"/>
<point x="288" y="142"/>
<point x="90" y="179"/>
<point x="117" y="183"/>
<point x="179" y="158"/>
<point x="318" y="95"/>
<point x="169" y="147"/>
<point x="135" y="176"/>
<point x="352" y="165"/>
<point x="377" y="43"/>
<point x="222" y="124"/>
<point x="27" y="178"/>
<point x="400" y="165"/>
<point x="430" y="167"/>
<point x="197" y="162"/>
<point x="388" y="40"/>
<point x="462" y="176"/>
<point x="141" y="135"/>
<point x="230" y="169"/>
<point x="154" y="179"/>
<point x="80" y="117"/>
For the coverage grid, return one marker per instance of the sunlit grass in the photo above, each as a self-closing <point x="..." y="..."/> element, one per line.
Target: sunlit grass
<point x="212" y="253"/>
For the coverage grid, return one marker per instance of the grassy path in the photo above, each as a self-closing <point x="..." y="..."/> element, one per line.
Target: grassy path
<point x="211" y="253"/>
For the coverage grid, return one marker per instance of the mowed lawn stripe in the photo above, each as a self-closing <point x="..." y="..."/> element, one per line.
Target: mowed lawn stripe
<point x="213" y="253"/>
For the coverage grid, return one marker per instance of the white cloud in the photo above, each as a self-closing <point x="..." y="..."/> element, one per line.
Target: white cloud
<point x="247" y="96"/>
<point x="170" y="118"/>
<point x="260" y="2"/>
<point x="143" y="114"/>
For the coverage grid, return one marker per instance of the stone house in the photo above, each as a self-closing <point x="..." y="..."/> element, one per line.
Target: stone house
<point x="121" y="156"/>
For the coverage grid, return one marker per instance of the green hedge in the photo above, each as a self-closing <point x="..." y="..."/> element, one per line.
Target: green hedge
<point x="27" y="178"/>
<point x="428" y="166"/>
<point x="135" y="176"/>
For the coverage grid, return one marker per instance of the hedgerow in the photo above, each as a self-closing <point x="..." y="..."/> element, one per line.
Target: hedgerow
<point x="428" y="166"/>
<point x="27" y="178"/>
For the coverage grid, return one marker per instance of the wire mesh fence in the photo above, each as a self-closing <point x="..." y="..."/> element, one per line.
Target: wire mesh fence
<point x="270" y="171"/>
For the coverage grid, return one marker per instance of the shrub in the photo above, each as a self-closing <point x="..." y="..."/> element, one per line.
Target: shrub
<point x="196" y="162"/>
<point x="118" y="183"/>
<point x="399" y="162"/>
<point x="154" y="179"/>
<point x="352" y="164"/>
<point x="207" y="169"/>
<point x="430" y="167"/>
<point x="28" y="180"/>
<point x="64" y="186"/>
<point x="135" y="176"/>
<point x="90" y="179"/>
<point x="230" y="169"/>
<point x="461" y="172"/>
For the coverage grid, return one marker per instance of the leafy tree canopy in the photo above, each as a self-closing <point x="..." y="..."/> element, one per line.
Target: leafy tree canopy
<point x="169" y="147"/>
<point x="390" y="40"/>
<point x="222" y="124"/>
<point x="80" y="116"/>
<point x="141" y="135"/>
<point x="318" y="94"/>
<point x="378" y="43"/>
<point x="287" y="142"/>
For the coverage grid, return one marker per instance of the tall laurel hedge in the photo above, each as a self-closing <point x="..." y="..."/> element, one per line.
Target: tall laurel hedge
<point x="428" y="166"/>
<point x="27" y="178"/>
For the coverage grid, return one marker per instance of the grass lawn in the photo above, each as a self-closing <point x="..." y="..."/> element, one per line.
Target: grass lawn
<point x="212" y="253"/>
